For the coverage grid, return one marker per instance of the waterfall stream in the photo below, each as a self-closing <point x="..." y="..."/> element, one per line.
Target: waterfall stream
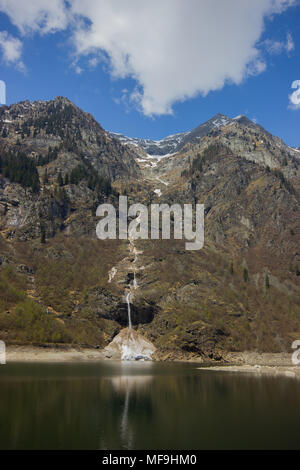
<point x="134" y="285"/>
<point x="128" y="309"/>
<point x="129" y="344"/>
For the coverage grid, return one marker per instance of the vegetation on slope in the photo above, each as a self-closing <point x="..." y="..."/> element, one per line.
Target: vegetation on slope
<point x="18" y="168"/>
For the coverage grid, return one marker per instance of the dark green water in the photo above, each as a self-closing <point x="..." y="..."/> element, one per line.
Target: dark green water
<point x="144" y="406"/>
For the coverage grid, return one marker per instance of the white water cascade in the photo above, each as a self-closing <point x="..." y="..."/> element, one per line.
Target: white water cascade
<point x="128" y="309"/>
<point x="129" y="344"/>
<point x="134" y="347"/>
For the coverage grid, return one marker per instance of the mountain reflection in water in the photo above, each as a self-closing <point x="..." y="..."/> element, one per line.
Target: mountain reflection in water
<point x="144" y="406"/>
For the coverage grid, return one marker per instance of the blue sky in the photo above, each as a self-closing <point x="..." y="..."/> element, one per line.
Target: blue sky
<point x="138" y="80"/>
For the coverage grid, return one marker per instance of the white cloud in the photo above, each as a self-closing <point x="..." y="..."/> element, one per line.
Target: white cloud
<point x="93" y="62"/>
<point x="290" y="45"/>
<point x="173" y="49"/>
<point x="295" y="96"/>
<point x="278" y="47"/>
<point x="278" y="6"/>
<point x="78" y="70"/>
<point x="11" y="49"/>
<point x="43" y="16"/>
<point x="256" y="67"/>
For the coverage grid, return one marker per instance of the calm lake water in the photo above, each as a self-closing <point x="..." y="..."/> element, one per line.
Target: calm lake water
<point x="145" y="406"/>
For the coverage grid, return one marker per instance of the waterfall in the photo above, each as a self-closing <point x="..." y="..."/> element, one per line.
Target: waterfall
<point x="128" y="308"/>
<point x="129" y="345"/>
<point x="134" y="284"/>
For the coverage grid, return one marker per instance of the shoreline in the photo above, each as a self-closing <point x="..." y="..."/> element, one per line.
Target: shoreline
<point x="272" y="364"/>
<point x="52" y="354"/>
<point x="259" y="370"/>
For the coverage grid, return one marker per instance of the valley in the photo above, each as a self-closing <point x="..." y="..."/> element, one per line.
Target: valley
<point x="240" y="292"/>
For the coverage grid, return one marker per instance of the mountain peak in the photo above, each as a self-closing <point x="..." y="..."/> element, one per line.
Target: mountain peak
<point x="219" y="115"/>
<point x="63" y="100"/>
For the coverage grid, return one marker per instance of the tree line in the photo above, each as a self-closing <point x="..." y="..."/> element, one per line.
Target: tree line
<point x="18" y="168"/>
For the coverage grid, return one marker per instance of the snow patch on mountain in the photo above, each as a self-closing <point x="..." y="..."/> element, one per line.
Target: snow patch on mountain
<point x="156" y="148"/>
<point x="220" y="122"/>
<point x="172" y="144"/>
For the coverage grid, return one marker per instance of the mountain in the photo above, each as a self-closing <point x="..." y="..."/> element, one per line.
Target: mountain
<point x="61" y="126"/>
<point x="174" y="143"/>
<point x="45" y="146"/>
<point x="243" y="136"/>
<point x="166" y="146"/>
<point x="60" y="285"/>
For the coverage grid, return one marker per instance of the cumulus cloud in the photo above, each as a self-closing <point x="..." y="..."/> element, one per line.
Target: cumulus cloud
<point x="41" y="16"/>
<point x="173" y="49"/>
<point x="11" y="49"/>
<point x="295" y="96"/>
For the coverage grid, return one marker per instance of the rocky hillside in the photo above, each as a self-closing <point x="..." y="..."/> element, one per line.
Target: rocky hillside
<point x="55" y="158"/>
<point x="175" y="143"/>
<point x="71" y="134"/>
<point x="60" y="285"/>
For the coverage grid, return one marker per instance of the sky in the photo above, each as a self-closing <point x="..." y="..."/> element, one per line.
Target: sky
<point x="151" y="69"/>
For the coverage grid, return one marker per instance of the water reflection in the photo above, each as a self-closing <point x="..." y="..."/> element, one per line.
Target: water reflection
<point x="144" y="406"/>
<point x="131" y="383"/>
<point x="126" y="385"/>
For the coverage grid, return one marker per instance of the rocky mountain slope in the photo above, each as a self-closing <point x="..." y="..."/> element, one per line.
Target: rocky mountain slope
<point x="61" y="285"/>
<point x="63" y="159"/>
<point x="174" y="143"/>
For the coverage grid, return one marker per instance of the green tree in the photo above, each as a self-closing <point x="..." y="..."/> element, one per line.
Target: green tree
<point x="245" y="274"/>
<point x="267" y="282"/>
<point x="45" y="177"/>
<point x="60" y="180"/>
<point x="43" y="234"/>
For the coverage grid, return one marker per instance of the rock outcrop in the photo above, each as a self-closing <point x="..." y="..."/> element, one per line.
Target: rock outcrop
<point x="129" y="345"/>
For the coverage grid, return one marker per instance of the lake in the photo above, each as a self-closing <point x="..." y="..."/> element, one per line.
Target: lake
<point x="170" y="406"/>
